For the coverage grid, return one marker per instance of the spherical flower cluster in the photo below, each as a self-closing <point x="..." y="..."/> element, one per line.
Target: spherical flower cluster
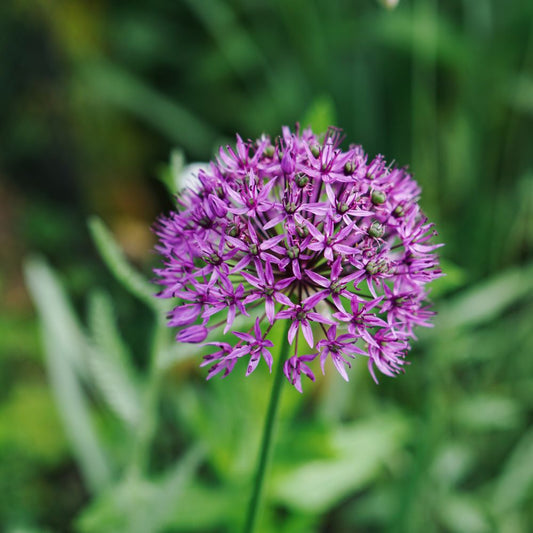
<point x="299" y="230"/>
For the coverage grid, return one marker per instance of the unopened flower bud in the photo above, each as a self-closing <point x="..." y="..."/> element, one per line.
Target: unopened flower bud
<point x="302" y="180"/>
<point x="293" y="252"/>
<point x="269" y="151"/>
<point x="376" y="230"/>
<point x="378" y="197"/>
<point x="372" y="268"/>
<point x="398" y="211"/>
<point x="213" y="259"/>
<point x="192" y="334"/>
<point x="232" y="230"/>
<point x="287" y="163"/>
<point x="303" y="231"/>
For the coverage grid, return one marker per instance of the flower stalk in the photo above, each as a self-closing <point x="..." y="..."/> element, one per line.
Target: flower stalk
<point x="268" y="432"/>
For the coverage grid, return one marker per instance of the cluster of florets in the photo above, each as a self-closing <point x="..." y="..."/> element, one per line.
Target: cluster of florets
<point x="299" y="230"/>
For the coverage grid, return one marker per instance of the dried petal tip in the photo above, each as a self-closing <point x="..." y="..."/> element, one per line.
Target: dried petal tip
<point x="303" y="231"/>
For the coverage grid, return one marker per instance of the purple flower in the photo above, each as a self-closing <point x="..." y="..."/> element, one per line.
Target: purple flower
<point x="295" y="366"/>
<point x="297" y="229"/>
<point x="337" y="346"/>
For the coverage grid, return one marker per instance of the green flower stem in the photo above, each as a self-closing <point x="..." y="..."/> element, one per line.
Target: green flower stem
<point x="268" y="431"/>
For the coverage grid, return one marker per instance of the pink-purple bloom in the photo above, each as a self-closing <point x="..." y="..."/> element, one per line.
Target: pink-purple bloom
<point x="297" y="229"/>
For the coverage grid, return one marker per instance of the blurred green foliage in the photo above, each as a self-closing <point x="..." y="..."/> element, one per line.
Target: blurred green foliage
<point x="114" y="428"/>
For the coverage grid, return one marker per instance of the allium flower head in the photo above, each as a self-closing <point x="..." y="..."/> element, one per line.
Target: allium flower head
<point x="297" y="229"/>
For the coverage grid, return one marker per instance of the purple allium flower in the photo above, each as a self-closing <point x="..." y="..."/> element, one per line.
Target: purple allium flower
<point x="297" y="229"/>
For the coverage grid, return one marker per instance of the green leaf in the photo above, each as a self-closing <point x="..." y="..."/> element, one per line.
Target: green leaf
<point x="173" y="484"/>
<point x="455" y="277"/>
<point x="521" y="94"/>
<point x="104" y="329"/>
<point x="361" y="450"/>
<point x="170" y="174"/>
<point x="29" y="422"/>
<point x="110" y="83"/>
<point x="487" y="300"/>
<point x="63" y="354"/>
<point x="485" y="412"/>
<point x="141" y="506"/>
<point x="515" y="483"/>
<point x="123" y="507"/>
<point x="55" y="311"/>
<point x="320" y="115"/>
<point x="119" y="266"/>
<point x="425" y="34"/>
<point x="109" y="362"/>
<point x="177" y="353"/>
<point x="452" y="463"/>
<point x="389" y="4"/>
<point x="462" y="512"/>
<point x="230" y="35"/>
<point x="17" y="529"/>
<point x="202" y="508"/>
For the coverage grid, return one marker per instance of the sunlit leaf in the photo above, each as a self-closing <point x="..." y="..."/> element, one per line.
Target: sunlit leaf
<point x="361" y="448"/>
<point x="141" y="506"/>
<point x="63" y="351"/>
<point x="109" y="362"/>
<point x="28" y="421"/>
<point x="320" y="115"/>
<point x="119" y="266"/>
<point x="452" y="463"/>
<point x="516" y="481"/>
<point x="170" y="174"/>
<point x="486" y="412"/>
<point x="206" y="508"/>
<point x="521" y="95"/>
<point x="461" y="512"/>
<point x="486" y="300"/>
<point x="455" y="277"/>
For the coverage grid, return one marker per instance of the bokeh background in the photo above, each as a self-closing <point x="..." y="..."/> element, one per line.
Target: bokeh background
<point x="106" y="425"/>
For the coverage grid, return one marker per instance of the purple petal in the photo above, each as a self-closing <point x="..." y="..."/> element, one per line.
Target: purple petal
<point x="192" y="334"/>
<point x="317" y="278"/>
<point x="252" y="365"/>
<point x="282" y="299"/>
<point x="339" y="365"/>
<point x="270" y="309"/>
<point x="316" y="317"/>
<point x="314" y="299"/>
<point x="308" y="333"/>
<point x="293" y="330"/>
<point x="267" y="356"/>
<point x="184" y="315"/>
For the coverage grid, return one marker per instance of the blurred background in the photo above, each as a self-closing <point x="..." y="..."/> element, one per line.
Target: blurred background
<point x="106" y="425"/>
